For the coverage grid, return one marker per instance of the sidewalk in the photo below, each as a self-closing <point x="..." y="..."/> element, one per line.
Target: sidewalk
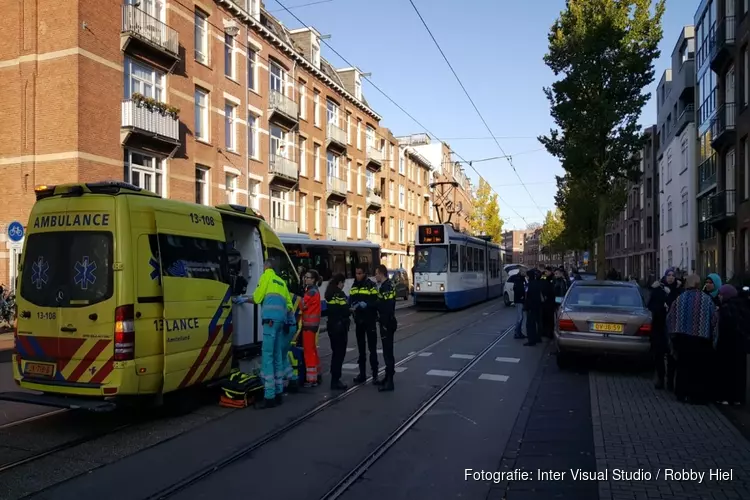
<point x="638" y="427"/>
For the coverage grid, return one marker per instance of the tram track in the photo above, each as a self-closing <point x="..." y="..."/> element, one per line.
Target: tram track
<point x="245" y="451"/>
<point x="418" y="327"/>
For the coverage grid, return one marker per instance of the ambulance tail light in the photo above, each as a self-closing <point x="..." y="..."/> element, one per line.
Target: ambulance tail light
<point x="125" y="333"/>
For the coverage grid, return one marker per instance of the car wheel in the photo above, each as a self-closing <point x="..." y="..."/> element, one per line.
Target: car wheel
<point x="506" y="299"/>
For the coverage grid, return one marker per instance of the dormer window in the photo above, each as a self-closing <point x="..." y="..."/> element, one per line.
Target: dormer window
<point x="253" y="8"/>
<point x="357" y="88"/>
<point x="316" y="55"/>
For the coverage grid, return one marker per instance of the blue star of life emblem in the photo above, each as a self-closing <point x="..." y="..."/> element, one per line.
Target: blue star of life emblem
<point x="39" y="271"/>
<point x="155" y="269"/>
<point x="85" y="273"/>
<point x="178" y="269"/>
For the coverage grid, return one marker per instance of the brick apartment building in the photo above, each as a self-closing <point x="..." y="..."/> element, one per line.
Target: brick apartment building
<point x="513" y="242"/>
<point x="723" y="122"/>
<point x="202" y="101"/>
<point x="631" y="243"/>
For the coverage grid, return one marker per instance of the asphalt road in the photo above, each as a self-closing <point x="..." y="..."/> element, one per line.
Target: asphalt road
<point x="164" y="443"/>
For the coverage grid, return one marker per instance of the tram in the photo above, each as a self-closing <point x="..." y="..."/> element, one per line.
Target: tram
<point x="453" y="270"/>
<point x="330" y="257"/>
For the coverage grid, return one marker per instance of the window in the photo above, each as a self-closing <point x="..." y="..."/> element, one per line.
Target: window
<point x="649" y="187"/>
<point x="302" y="101"/>
<point x="278" y="205"/>
<point x="401" y="164"/>
<point x="229" y="56"/>
<point x="201" y="37"/>
<point x="401" y="197"/>
<point x="669" y="166"/>
<point x="286" y="269"/>
<point x="317" y="216"/>
<point x="145" y="80"/>
<point x="252" y="136"/>
<point x="316" y="55"/>
<point x="316" y="109"/>
<point x="303" y="212"/>
<point x="359" y="179"/>
<point x="642" y="196"/>
<point x="83" y="280"/>
<point x="144" y="171"/>
<point x="662" y="219"/>
<point x="391" y="193"/>
<point x="349" y="222"/>
<point x="359" y="134"/>
<point x="316" y="162"/>
<point x="391" y="230"/>
<point x="253" y="194"/>
<point x="431" y="259"/>
<point x="669" y="215"/>
<point x="669" y="258"/>
<point x="370" y="137"/>
<point x="201" y="115"/>
<point x="370" y="180"/>
<point x="649" y="227"/>
<point x="231" y="188"/>
<point x="303" y="156"/>
<point x="349" y="175"/>
<point x="359" y="223"/>
<point x="201" y="185"/>
<point x="277" y="78"/>
<point x="684" y="208"/>
<point x="349" y="129"/>
<point x="401" y="230"/>
<point x="252" y="70"/>
<point x="332" y="164"/>
<point x="230" y="126"/>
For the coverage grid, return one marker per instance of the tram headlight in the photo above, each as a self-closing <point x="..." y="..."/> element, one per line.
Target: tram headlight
<point x="442" y="287"/>
<point x="418" y="286"/>
<point x="429" y="283"/>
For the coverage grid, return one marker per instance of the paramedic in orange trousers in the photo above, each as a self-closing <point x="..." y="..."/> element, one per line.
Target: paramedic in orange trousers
<point x="310" y="325"/>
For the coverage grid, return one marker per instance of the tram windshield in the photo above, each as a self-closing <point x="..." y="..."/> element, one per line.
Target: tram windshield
<point x="431" y="259"/>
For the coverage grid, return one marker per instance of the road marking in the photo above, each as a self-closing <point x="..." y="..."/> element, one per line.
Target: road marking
<point x="350" y="366"/>
<point x="493" y="377"/>
<point x="412" y="353"/>
<point x="442" y="373"/>
<point x="349" y="349"/>
<point x="462" y="356"/>
<point x="400" y="369"/>
<point x="508" y="360"/>
<point x="424" y="354"/>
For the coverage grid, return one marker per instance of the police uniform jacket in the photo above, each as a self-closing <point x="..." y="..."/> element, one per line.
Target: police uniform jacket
<point x="338" y="312"/>
<point x="386" y="303"/>
<point x="364" y="291"/>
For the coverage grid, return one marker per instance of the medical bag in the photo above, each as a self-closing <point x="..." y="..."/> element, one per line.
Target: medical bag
<point x="240" y="390"/>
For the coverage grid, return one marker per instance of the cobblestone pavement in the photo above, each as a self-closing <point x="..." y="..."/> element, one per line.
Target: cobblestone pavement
<point x="638" y="427"/>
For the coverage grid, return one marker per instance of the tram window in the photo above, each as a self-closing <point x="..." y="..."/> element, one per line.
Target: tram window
<point x="454" y="258"/>
<point x="365" y="257"/>
<point x="338" y="263"/>
<point x="351" y="263"/>
<point x="481" y="260"/>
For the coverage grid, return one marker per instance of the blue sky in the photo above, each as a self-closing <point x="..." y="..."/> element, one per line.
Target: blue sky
<point x="496" y="47"/>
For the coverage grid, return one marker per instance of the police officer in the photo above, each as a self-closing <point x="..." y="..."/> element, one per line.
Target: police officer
<point x="362" y="299"/>
<point x="272" y="293"/>
<point x="386" y="305"/>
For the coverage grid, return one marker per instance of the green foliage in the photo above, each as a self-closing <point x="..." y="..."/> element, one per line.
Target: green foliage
<point x="604" y="51"/>
<point x="552" y="231"/>
<point x="485" y="217"/>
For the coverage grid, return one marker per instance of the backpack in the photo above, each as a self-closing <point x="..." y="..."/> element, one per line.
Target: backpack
<point x="240" y="390"/>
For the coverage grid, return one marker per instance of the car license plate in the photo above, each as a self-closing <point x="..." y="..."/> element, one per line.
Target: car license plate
<point x="608" y="327"/>
<point x="40" y="369"/>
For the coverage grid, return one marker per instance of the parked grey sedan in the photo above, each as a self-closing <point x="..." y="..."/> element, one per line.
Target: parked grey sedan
<point x="602" y="317"/>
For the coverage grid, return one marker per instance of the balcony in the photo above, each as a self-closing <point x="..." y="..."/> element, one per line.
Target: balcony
<point x="282" y="170"/>
<point x="284" y="226"/>
<point x="143" y="33"/>
<point x="705" y="231"/>
<point x="336" y="188"/>
<point x="707" y="174"/>
<point x="686" y="117"/>
<point x="282" y="109"/>
<point x="374" y="200"/>
<point x="723" y="46"/>
<point x="149" y="125"/>
<point x="722" y="209"/>
<point x="374" y="238"/>
<point x="374" y="159"/>
<point x="336" y="234"/>
<point x="723" y="125"/>
<point x="336" y="138"/>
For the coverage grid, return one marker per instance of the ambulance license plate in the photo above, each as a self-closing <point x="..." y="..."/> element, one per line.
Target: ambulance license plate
<point x="40" y="369"/>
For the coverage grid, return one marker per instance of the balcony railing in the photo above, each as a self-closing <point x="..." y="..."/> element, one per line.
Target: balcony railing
<point x="336" y="185"/>
<point x="375" y="238"/>
<point x="725" y="31"/>
<point x="707" y="174"/>
<point x="723" y="204"/>
<point x="278" y="165"/>
<point x="336" y="134"/>
<point x="281" y="103"/>
<point x="137" y="115"/>
<point x="284" y="226"/>
<point x="149" y="29"/>
<point x="687" y="116"/>
<point x="373" y="199"/>
<point x="725" y="120"/>
<point x="374" y="155"/>
<point x="336" y="234"/>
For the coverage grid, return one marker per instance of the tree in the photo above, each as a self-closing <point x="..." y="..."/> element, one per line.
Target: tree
<point x="485" y="216"/>
<point x="552" y="231"/>
<point x="605" y="50"/>
<point x="533" y="226"/>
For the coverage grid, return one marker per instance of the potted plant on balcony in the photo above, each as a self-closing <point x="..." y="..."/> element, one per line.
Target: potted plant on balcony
<point x="152" y="104"/>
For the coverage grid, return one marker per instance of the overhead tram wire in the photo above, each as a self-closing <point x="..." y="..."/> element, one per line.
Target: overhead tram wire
<point x="510" y="160"/>
<point x="390" y="99"/>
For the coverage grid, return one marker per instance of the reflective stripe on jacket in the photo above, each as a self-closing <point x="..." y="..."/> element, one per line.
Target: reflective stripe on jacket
<point x="311" y="309"/>
<point x="386" y="300"/>
<point x="273" y="294"/>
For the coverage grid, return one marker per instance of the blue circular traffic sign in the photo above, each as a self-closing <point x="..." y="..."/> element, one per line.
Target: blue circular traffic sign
<point x="15" y="231"/>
